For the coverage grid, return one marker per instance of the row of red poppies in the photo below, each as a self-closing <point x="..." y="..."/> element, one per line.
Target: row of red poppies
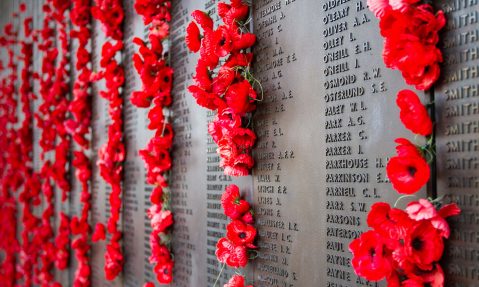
<point x="10" y="159"/>
<point x="54" y="140"/>
<point x="156" y="76"/>
<point x="229" y="90"/>
<point x="79" y="128"/>
<point x="37" y="237"/>
<point x="405" y="246"/>
<point x="112" y="153"/>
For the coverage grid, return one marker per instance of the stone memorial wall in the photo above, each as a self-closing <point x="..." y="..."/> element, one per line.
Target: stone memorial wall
<point x="326" y="125"/>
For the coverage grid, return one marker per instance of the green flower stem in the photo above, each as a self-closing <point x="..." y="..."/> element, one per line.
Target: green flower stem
<point x="402" y="197"/>
<point x="221" y="271"/>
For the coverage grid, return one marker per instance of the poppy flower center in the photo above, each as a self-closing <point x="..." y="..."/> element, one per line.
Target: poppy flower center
<point x="426" y="69"/>
<point x="165" y="271"/>
<point x="372" y="252"/>
<point x="242" y="235"/>
<point x="417" y="243"/>
<point x="223" y="41"/>
<point x="166" y="79"/>
<point x="411" y="170"/>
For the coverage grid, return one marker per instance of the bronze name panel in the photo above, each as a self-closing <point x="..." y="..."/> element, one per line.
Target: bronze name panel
<point x="457" y="106"/>
<point x="326" y="128"/>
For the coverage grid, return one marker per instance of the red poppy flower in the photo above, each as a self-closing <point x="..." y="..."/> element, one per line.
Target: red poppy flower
<point x="406" y="148"/>
<point x="234" y="13"/>
<point x="77" y="226"/>
<point x="208" y="49"/>
<point x="240" y="233"/>
<point x="203" y="19"/>
<point x="407" y="172"/>
<point x="156" y="196"/>
<point x="421" y="210"/>
<point x="239" y="59"/>
<point x="110" y="14"/>
<point x="203" y="76"/>
<point x="223" y="8"/>
<point x="248" y="217"/>
<point x="156" y="43"/>
<point x="243" y="41"/>
<point x="205" y="99"/>
<point x="163" y="138"/>
<point x="410" y="42"/>
<point x="156" y="117"/>
<point x="224" y="79"/>
<point x="113" y="260"/>
<point x="82" y="165"/>
<point x="80" y="15"/>
<point x="233" y="255"/>
<point x="164" y="272"/>
<point x="380" y="7"/>
<point x="424" y="210"/>
<point x="238" y="165"/>
<point x="223" y="42"/>
<point x="228" y="123"/>
<point x="371" y="258"/>
<point x="99" y="233"/>
<point x="389" y="222"/>
<point x="439" y="222"/>
<point x="149" y="284"/>
<point x="244" y="138"/>
<point x="159" y="29"/>
<point x="413" y="114"/>
<point x="232" y="204"/>
<point x="449" y="210"/>
<point x="153" y="10"/>
<point x="423" y="245"/>
<point x="141" y="99"/>
<point x="159" y="252"/>
<point x="418" y="63"/>
<point x="236" y="281"/>
<point x="193" y="37"/>
<point x="418" y="23"/>
<point x="240" y="98"/>
<point x="160" y="219"/>
<point x="434" y="278"/>
<point x="156" y="162"/>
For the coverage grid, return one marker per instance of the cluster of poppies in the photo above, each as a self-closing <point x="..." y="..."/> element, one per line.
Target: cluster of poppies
<point x="234" y="249"/>
<point x="54" y="138"/>
<point x="409" y="171"/>
<point x="404" y="246"/>
<point x="29" y="196"/>
<point x="224" y="83"/>
<point x="79" y="128"/>
<point x="157" y="81"/>
<point x="60" y="167"/>
<point x="112" y="154"/>
<point x="410" y="29"/>
<point x="9" y="160"/>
